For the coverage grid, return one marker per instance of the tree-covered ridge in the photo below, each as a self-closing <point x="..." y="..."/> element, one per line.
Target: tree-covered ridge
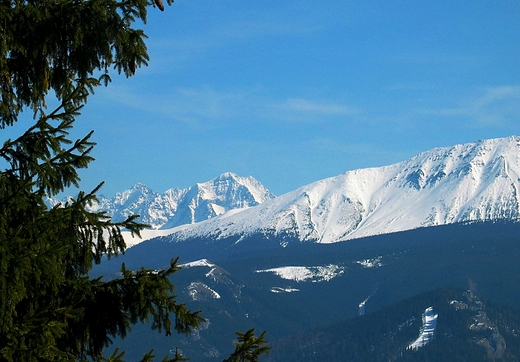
<point x="468" y="329"/>
<point x="52" y="53"/>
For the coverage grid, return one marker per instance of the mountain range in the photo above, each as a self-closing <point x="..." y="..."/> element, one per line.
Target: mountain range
<point x="354" y="267"/>
<point x="177" y="206"/>
<point x="471" y="182"/>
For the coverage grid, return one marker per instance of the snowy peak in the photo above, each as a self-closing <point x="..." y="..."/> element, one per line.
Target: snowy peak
<point x="246" y="191"/>
<point x="465" y="183"/>
<point x="176" y="207"/>
<point x="216" y="197"/>
<point x="241" y="191"/>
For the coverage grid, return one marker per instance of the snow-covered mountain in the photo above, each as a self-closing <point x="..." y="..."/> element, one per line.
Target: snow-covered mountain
<point x="185" y="206"/>
<point x="465" y="183"/>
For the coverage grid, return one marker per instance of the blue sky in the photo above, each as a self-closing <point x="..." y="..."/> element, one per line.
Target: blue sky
<point x="292" y="92"/>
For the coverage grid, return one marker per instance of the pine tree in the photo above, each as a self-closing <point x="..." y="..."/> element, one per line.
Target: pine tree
<point x="50" y="309"/>
<point x="249" y="348"/>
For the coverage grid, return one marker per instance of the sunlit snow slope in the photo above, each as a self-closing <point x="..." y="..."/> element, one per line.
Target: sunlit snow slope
<point x="469" y="182"/>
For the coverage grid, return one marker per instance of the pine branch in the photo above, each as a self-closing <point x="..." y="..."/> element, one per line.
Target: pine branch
<point x="248" y="347"/>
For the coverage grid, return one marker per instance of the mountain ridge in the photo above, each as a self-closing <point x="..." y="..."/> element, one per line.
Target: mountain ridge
<point x="177" y="206"/>
<point x="470" y="182"/>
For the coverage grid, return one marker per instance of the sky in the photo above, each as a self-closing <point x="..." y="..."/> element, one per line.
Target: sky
<point x="292" y="92"/>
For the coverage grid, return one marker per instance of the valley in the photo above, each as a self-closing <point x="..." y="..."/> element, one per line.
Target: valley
<point x="294" y="290"/>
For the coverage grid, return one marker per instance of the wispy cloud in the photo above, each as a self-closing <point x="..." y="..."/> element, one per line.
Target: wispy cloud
<point x="491" y="106"/>
<point x="494" y="95"/>
<point x="208" y="107"/>
<point x="359" y="154"/>
<point x="171" y="50"/>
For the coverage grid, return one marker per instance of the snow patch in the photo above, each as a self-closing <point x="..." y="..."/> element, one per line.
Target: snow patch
<point x="284" y="290"/>
<point x="306" y="273"/>
<point x="217" y="209"/>
<point x="200" y="291"/>
<point x="201" y="262"/>
<point x="363" y="303"/>
<point x="370" y="263"/>
<point x="132" y="240"/>
<point x="426" y="334"/>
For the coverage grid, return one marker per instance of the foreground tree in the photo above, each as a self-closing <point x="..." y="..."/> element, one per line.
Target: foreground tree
<point x="49" y="307"/>
<point x="249" y="347"/>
